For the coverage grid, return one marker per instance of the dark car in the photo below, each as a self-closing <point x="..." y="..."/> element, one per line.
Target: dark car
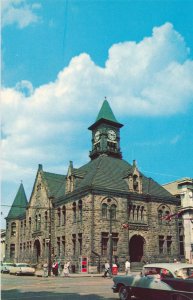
<point x="161" y="281"/>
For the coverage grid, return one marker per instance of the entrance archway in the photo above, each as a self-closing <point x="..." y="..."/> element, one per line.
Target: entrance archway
<point x="37" y="250"/>
<point x="136" y="245"/>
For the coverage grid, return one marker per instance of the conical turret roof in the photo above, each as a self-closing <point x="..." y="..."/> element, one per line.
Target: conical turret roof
<point x="19" y="205"/>
<point x="106" y="114"/>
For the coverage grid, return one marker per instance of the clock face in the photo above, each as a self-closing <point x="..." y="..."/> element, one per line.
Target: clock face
<point x="97" y="136"/>
<point x="111" y="135"/>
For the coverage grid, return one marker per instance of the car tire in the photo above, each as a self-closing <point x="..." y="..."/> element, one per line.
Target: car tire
<point x="124" y="293"/>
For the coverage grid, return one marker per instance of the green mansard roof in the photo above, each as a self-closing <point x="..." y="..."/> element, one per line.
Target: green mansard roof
<point x="19" y="205"/>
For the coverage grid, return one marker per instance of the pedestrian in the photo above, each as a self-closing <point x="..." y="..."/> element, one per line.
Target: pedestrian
<point x="127" y="267"/>
<point x="69" y="265"/>
<point x="45" y="269"/>
<point x="59" y="267"/>
<point x="107" y="269"/>
<point x="66" y="269"/>
<point x="55" y="268"/>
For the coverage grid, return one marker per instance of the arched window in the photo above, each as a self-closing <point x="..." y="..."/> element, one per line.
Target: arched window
<point x="163" y="215"/>
<point x="129" y="211"/>
<point x="104" y="211"/>
<point x="113" y="211"/>
<point x="13" y="229"/>
<point x="160" y="215"/>
<point x="36" y="222"/>
<point x="135" y="183"/>
<point x="46" y="219"/>
<point x="58" y="216"/>
<point x="74" y="211"/>
<point x="80" y="210"/>
<point x="64" y="215"/>
<point x="30" y="223"/>
<point x="39" y="222"/>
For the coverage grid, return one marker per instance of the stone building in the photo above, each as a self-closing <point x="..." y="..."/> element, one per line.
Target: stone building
<point x="105" y="210"/>
<point x="183" y="189"/>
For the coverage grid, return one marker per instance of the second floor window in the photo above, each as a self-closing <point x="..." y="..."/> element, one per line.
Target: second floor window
<point x="104" y="211"/>
<point x="13" y="229"/>
<point x="74" y="211"/>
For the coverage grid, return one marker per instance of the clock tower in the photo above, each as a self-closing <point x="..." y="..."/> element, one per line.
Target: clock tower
<point x="105" y="134"/>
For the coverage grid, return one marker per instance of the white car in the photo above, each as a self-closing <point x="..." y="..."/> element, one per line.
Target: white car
<point x="5" y="267"/>
<point x="22" y="269"/>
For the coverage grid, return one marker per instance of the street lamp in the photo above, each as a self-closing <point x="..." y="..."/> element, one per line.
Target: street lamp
<point x="50" y="241"/>
<point x="110" y="240"/>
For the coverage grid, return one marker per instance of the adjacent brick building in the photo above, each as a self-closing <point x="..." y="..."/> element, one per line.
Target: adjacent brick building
<point x="105" y="210"/>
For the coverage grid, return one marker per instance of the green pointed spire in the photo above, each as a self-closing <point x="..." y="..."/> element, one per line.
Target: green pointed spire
<point x="19" y="205"/>
<point x="106" y="113"/>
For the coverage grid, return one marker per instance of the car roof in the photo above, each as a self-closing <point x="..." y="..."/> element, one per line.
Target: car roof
<point x="170" y="266"/>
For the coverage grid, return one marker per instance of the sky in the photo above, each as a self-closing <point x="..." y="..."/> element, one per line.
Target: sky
<point x="61" y="58"/>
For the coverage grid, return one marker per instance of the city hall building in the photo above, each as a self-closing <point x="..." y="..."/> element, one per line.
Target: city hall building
<point x="105" y="210"/>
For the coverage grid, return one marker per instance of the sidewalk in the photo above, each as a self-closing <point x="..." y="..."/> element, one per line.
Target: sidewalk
<point x="39" y="273"/>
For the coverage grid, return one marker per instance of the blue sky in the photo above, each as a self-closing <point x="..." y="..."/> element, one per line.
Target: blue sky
<point x="61" y="58"/>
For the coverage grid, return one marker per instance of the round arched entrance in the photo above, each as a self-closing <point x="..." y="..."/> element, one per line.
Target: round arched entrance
<point x="136" y="245"/>
<point x="37" y="250"/>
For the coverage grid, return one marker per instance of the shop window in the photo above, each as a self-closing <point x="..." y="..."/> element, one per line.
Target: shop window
<point x="114" y="243"/>
<point x="104" y="242"/>
<point x="80" y="243"/>
<point x="161" y="244"/>
<point x="74" y="244"/>
<point x="63" y="245"/>
<point x="12" y="251"/>
<point x="169" y="244"/>
<point x="58" y="246"/>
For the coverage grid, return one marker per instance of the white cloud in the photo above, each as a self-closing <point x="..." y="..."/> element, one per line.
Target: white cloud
<point x="152" y="77"/>
<point x="19" y="12"/>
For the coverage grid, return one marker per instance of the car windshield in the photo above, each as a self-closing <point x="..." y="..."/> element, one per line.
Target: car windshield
<point x="184" y="273"/>
<point x="23" y="265"/>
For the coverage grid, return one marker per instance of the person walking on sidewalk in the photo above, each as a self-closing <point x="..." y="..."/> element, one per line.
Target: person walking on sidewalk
<point x="107" y="269"/>
<point x="66" y="270"/>
<point x="45" y="269"/>
<point x="127" y="267"/>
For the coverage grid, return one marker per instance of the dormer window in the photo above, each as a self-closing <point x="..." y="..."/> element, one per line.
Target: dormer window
<point x="134" y="179"/>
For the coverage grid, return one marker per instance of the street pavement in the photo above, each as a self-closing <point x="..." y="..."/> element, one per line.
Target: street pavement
<point x="75" y="287"/>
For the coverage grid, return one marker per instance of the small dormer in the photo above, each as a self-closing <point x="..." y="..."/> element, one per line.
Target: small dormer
<point x="134" y="179"/>
<point x="70" y="179"/>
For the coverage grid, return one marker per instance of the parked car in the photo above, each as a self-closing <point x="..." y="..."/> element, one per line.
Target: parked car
<point x="5" y="267"/>
<point x="22" y="269"/>
<point x="168" y="281"/>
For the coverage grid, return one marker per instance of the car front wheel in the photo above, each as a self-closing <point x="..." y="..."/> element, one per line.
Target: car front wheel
<point x="124" y="293"/>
